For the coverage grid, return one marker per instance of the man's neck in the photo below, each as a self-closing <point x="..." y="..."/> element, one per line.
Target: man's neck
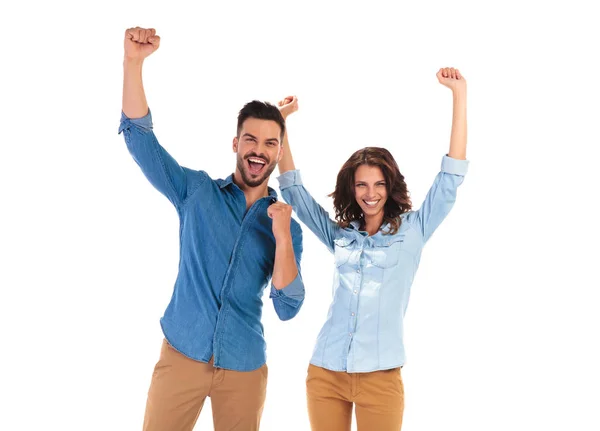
<point x="252" y="194"/>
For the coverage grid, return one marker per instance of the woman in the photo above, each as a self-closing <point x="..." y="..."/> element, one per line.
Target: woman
<point x="377" y="242"/>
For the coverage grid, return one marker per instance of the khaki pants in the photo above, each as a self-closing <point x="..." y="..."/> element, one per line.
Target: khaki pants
<point x="378" y="396"/>
<point x="180" y="385"/>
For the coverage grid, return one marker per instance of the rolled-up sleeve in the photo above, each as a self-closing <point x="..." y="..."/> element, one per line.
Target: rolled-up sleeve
<point x="455" y="166"/>
<point x="288" y="300"/>
<point x="144" y="123"/>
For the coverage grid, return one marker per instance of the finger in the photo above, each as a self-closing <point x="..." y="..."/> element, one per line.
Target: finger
<point x="155" y="41"/>
<point x="132" y="34"/>
<point x="453" y="71"/>
<point x="458" y="75"/>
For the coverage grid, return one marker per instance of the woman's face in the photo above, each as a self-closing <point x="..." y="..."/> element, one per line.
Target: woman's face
<point x="370" y="190"/>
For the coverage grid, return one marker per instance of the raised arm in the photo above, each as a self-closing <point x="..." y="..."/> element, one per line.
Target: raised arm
<point x="451" y="78"/>
<point x="294" y="193"/>
<point x="287" y="288"/>
<point x="139" y="44"/>
<point x="442" y="194"/>
<point x="163" y="172"/>
<point x="287" y="106"/>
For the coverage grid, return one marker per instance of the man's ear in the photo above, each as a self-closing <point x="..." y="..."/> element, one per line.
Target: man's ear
<point x="235" y="144"/>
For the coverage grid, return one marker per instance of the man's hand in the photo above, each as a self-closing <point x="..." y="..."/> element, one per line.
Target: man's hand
<point x="282" y="218"/>
<point x="288" y="106"/>
<point x="451" y="78"/>
<point x="140" y="43"/>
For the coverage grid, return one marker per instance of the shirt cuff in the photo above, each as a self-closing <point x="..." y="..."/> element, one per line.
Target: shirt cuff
<point x="144" y="122"/>
<point x="294" y="290"/>
<point x="455" y="166"/>
<point x="289" y="178"/>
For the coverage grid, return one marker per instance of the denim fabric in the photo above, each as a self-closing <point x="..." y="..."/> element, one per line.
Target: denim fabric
<point x="226" y="259"/>
<point x="373" y="274"/>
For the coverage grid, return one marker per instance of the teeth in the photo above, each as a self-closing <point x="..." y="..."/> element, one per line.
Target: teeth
<point x="371" y="202"/>
<point x="253" y="160"/>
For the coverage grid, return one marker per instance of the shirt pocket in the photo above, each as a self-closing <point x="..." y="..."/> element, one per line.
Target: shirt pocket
<point x="343" y="250"/>
<point x="387" y="254"/>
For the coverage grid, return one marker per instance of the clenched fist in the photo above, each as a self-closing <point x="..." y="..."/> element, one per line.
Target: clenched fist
<point x="140" y="43"/>
<point x="282" y="218"/>
<point x="451" y="78"/>
<point x="288" y="106"/>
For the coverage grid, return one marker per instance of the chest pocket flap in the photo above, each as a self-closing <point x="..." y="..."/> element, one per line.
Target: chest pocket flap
<point x="344" y="247"/>
<point x="387" y="251"/>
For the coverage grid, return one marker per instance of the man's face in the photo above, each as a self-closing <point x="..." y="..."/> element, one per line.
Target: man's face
<point x="258" y="150"/>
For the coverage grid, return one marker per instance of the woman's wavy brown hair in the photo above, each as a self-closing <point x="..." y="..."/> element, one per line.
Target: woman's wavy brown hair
<point x="344" y="202"/>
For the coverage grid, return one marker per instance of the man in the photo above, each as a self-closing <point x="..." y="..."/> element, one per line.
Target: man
<point x="234" y="236"/>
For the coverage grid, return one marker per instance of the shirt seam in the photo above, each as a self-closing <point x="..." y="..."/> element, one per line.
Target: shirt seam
<point x="178" y="202"/>
<point x="186" y="201"/>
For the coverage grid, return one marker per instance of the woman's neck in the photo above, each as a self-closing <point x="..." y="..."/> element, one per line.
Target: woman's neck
<point x="372" y="224"/>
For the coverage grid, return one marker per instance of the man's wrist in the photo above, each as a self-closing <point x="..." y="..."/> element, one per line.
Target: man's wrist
<point x="283" y="240"/>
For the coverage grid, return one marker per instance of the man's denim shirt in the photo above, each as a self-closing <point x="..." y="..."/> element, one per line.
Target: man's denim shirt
<point x="226" y="259"/>
<point x="373" y="274"/>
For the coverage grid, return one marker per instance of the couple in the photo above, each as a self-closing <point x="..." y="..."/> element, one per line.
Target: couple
<point x="235" y="236"/>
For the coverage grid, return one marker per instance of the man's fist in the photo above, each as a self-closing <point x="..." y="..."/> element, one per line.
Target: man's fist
<point x="288" y="106"/>
<point x="140" y="43"/>
<point x="282" y="218"/>
<point x="451" y="78"/>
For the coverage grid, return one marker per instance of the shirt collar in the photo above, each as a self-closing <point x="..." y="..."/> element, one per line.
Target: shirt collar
<point x="356" y="225"/>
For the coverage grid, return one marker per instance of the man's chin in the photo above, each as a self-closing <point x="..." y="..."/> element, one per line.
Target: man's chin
<point x="251" y="181"/>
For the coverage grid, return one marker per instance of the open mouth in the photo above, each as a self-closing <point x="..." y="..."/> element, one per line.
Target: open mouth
<point x="371" y="204"/>
<point x="256" y="165"/>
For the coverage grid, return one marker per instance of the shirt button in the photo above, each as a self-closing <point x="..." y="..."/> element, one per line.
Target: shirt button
<point x="352" y="314"/>
<point x="351" y="334"/>
<point x="358" y="270"/>
<point x="355" y="292"/>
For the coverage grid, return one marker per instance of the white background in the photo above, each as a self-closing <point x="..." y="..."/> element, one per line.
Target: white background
<point x="502" y="328"/>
